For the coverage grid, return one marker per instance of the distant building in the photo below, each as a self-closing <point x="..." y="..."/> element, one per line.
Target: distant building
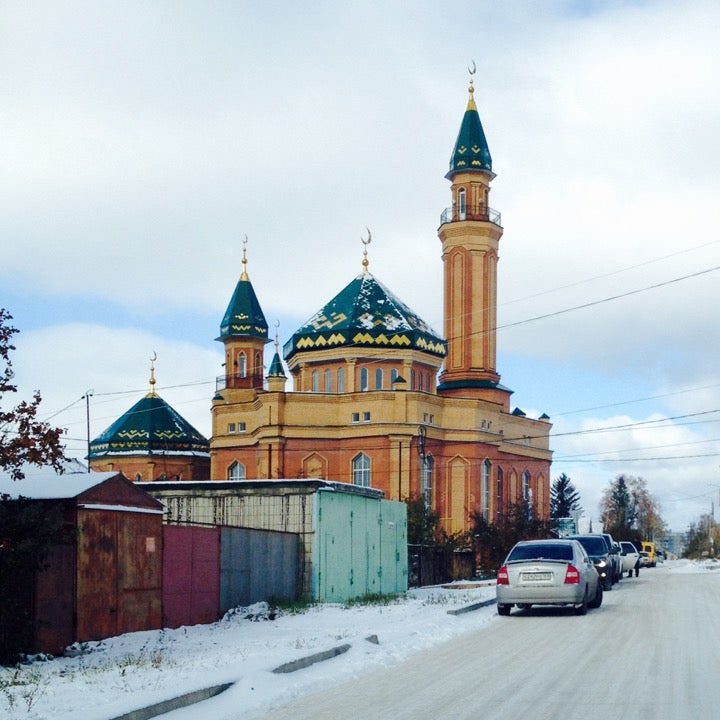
<point x="151" y="441"/>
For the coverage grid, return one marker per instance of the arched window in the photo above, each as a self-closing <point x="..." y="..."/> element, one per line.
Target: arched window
<point x="526" y="494"/>
<point x="328" y="381"/>
<point x="315" y="381"/>
<point x="361" y="470"/>
<point x="413" y="380"/>
<point x="394" y="374"/>
<point x="341" y="380"/>
<point x="462" y="204"/>
<point x="499" y="495"/>
<point x="427" y="479"/>
<point x="485" y="490"/>
<point x="258" y="365"/>
<point x="363" y="379"/>
<point x="242" y="365"/>
<point x="379" y="379"/>
<point x="236" y="471"/>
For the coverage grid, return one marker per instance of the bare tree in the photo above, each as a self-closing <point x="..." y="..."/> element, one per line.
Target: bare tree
<point x="24" y="439"/>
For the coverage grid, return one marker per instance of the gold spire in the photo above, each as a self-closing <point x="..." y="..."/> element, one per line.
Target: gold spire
<point x="471" y="100"/>
<point x="365" y="261"/>
<point x="244" y="275"/>
<point x="152" y="375"/>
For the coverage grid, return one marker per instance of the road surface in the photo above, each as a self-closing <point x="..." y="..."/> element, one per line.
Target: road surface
<point x="649" y="653"/>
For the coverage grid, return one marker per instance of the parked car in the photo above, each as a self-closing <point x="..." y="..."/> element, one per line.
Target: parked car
<point x="644" y="559"/>
<point x="597" y="549"/>
<point x="548" y="572"/>
<point x="615" y="559"/>
<point x="630" y="558"/>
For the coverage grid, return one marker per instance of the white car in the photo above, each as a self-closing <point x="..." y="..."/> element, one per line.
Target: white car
<point x="630" y="558"/>
<point x="548" y="572"/>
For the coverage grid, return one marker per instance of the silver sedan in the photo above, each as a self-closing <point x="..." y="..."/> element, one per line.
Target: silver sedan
<point x="548" y="572"/>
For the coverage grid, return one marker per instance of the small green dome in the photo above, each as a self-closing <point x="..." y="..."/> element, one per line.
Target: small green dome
<point x="471" y="150"/>
<point x="150" y="427"/>
<point x="244" y="316"/>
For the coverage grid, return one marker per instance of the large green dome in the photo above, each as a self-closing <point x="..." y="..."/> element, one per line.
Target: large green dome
<point x="365" y="314"/>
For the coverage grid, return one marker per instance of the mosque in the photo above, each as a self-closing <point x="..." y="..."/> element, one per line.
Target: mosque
<point x="379" y="398"/>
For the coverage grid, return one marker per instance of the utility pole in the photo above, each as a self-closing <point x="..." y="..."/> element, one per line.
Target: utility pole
<point x="87" y="395"/>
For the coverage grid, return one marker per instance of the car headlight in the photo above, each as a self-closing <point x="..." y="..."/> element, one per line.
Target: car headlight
<point x="601" y="563"/>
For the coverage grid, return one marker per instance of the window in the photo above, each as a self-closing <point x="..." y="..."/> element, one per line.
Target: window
<point x="462" y="204"/>
<point x="236" y="471"/>
<point x="356" y="417"/>
<point x="427" y="479"/>
<point x="499" y="494"/>
<point x="379" y="379"/>
<point x="394" y="374"/>
<point x="242" y="365"/>
<point x="341" y="380"/>
<point x="361" y="470"/>
<point x="241" y="427"/>
<point x="485" y="491"/>
<point x="258" y="368"/>
<point x="526" y="495"/>
<point x="363" y="379"/>
<point x="328" y="381"/>
<point x="231" y="428"/>
<point x="366" y="417"/>
<point x="316" y="381"/>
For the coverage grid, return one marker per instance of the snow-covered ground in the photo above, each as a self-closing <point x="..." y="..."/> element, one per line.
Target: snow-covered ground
<point x="135" y="670"/>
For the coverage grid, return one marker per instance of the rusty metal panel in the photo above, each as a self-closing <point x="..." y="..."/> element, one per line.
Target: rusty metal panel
<point x="258" y="565"/>
<point x="96" y="598"/>
<point x="191" y="575"/>
<point x="55" y="601"/>
<point x="119" y="572"/>
<point x="139" y="588"/>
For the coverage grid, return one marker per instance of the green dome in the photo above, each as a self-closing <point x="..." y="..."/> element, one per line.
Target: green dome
<point x="471" y="150"/>
<point x="150" y="427"/>
<point x="365" y="314"/>
<point x="244" y="316"/>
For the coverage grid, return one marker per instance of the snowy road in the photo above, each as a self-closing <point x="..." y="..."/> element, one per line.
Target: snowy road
<point x="648" y="653"/>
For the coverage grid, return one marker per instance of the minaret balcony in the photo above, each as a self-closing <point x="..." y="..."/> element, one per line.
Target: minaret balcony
<point x="471" y="212"/>
<point x="236" y="381"/>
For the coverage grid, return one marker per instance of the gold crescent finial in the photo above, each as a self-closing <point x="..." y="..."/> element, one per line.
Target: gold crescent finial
<point x="244" y="275"/>
<point x="365" y="243"/>
<point x="472" y="69"/>
<point x="152" y="373"/>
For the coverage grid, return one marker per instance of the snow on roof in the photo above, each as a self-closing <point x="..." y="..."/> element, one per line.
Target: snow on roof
<point x="44" y="483"/>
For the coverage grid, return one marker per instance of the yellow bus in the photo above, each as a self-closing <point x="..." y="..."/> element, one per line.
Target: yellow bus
<point x="649" y="548"/>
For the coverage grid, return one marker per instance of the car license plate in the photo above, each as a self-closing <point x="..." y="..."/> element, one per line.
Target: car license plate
<point x="537" y="577"/>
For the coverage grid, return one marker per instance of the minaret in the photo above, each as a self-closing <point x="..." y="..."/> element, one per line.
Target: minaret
<point x="244" y="333"/>
<point x="470" y="232"/>
<point x="276" y="377"/>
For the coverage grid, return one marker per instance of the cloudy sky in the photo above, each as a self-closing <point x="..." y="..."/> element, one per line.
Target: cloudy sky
<point x="141" y="142"/>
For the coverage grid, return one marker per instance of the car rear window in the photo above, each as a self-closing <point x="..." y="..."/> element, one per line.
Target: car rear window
<point x="558" y="551"/>
<point x="593" y="545"/>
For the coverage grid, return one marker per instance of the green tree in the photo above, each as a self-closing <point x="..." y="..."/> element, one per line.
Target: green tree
<point x="564" y="498"/>
<point x="629" y="511"/>
<point x="423" y="525"/>
<point x="493" y="541"/>
<point x="23" y="438"/>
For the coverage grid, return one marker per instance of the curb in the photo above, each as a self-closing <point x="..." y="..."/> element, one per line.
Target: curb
<point x="311" y="659"/>
<point x="474" y="606"/>
<point x="174" y="704"/>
